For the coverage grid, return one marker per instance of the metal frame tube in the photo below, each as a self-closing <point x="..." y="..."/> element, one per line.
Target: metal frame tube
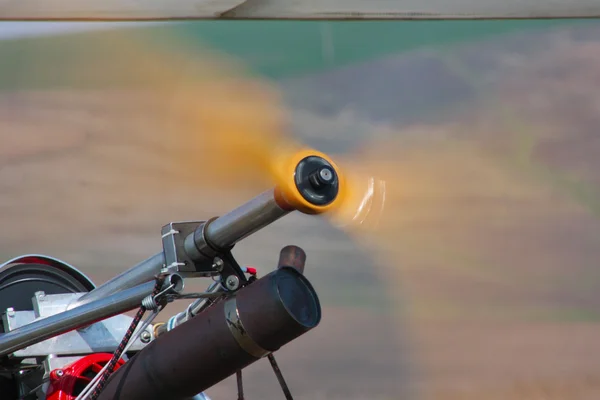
<point x="221" y="233"/>
<point x="75" y="318"/>
<point x="142" y="272"/>
<point x="250" y="217"/>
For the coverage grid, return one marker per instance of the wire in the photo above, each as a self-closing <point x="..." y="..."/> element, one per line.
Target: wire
<point x="279" y="375"/>
<point x="108" y="369"/>
<point x="35" y="389"/>
<point x="94" y="381"/>
<point x="93" y="384"/>
<point x="240" y="385"/>
<point x="117" y="355"/>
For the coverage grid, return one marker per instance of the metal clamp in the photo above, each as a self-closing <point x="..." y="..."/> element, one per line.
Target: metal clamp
<point x="238" y="331"/>
<point x="176" y="256"/>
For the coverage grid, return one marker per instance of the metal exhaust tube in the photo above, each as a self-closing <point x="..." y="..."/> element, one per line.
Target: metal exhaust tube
<point x="226" y="337"/>
<point x="308" y="181"/>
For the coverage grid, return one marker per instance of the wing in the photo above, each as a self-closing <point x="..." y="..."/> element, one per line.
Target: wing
<point x="295" y="9"/>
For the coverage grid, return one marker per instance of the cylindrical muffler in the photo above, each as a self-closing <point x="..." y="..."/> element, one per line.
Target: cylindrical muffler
<point x="226" y="337"/>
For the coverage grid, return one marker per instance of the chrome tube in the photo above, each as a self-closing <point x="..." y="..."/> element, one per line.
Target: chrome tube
<point x="199" y="304"/>
<point x="75" y="318"/>
<point x="142" y="272"/>
<point x="234" y="226"/>
<point x="221" y="233"/>
<point x="191" y="311"/>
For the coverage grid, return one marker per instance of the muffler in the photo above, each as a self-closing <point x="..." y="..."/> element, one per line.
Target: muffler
<point x="226" y="337"/>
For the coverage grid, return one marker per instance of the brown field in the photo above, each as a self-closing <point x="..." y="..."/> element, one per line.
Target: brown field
<point x="480" y="282"/>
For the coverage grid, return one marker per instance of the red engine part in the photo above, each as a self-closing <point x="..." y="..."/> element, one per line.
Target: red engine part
<point x="67" y="383"/>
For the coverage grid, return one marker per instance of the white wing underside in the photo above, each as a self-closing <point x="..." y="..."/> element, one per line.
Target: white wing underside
<point x="295" y="9"/>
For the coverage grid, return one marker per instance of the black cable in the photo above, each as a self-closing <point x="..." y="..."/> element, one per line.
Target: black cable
<point x="119" y="351"/>
<point x="279" y="375"/>
<point x="240" y="385"/>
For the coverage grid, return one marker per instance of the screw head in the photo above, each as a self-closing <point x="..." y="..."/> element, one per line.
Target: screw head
<point x="60" y="372"/>
<point x="145" y="337"/>
<point x="232" y="282"/>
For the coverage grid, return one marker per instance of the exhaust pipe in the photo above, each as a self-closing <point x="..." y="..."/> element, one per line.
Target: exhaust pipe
<point x="223" y="339"/>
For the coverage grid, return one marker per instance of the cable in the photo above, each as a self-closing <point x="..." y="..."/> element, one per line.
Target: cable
<point x="35" y="389"/>
<point x="119" y="351"/>
<point x="279" y="375"/>
<point x="93" y="384"/>
<point x="240" y="385"/>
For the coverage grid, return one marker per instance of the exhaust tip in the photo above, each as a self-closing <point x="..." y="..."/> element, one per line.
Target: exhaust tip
<point x="298" y="297"/>
<point x="316" y="180"/>
<point x="310" y="182"/>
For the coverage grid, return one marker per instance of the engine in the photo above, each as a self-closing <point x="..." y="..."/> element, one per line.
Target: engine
<point x="63" y="338"/>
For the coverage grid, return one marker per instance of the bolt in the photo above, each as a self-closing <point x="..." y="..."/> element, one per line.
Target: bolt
<point x="232" y="282"/>
<point x="320" y="178"/>
<point x="218" y="264"/>
<point x="326" y="174"/>
<point x="60" y="372"/>
<point x="145" y="337"/>
<point x="10" y="312"/>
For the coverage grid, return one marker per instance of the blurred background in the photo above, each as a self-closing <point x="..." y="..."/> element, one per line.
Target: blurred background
<point x="476" y="278"/>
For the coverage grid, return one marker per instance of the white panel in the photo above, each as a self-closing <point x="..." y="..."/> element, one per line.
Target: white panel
<point x="297" y="9"/>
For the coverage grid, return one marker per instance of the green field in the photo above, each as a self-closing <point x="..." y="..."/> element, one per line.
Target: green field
<point x="275" y="49"/>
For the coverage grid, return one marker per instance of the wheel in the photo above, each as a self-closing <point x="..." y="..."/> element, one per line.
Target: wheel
<point x="19" y="282"/>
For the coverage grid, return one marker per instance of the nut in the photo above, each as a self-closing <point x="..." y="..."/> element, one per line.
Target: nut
<point x="232" y="282"/>
<point x="218" y="264"/>
<point x="145" y="337"/>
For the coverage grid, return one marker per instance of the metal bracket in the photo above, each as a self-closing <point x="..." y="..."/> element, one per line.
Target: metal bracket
<point x="176" y="258"/>
<point x="103" y="336"/>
